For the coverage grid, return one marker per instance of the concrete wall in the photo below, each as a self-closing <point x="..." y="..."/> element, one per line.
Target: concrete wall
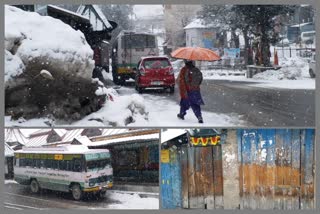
<point x="230" y="167"/>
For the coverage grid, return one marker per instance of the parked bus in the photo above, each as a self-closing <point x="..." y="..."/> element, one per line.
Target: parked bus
<point x="73" y="168"/>
<point x="127" y="50"/>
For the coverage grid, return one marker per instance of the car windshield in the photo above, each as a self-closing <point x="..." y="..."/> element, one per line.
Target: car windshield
<point x="97" y="164"/>
<point x="156" y="63"/>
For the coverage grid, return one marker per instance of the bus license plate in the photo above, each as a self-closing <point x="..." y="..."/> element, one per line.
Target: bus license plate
<point x="157" y="83"/>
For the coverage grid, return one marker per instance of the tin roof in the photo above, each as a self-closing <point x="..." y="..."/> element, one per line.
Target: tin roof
<point x="15" y="135"/>
<point x="68" y="135"/>
<point x="170" y="134"/>
<point x="130" y="139"/>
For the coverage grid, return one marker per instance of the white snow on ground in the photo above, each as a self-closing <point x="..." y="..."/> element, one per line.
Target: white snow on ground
<point x="37" y="122"/>
<point x="146" y="110"/>
<point x="132" y="201"/>
<point x="10" y="182"/>
<point x="293" y="74"/>
<point x="163" y="112"/>
<point x="115" y="112"/>
<point x="46" y="41"/>
<point x="304" y="83"/>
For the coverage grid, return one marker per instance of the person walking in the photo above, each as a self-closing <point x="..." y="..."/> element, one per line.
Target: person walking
<point x="189" y="80"/>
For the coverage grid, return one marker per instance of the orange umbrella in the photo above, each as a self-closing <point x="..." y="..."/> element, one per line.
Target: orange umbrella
<point x="195" y="54"/>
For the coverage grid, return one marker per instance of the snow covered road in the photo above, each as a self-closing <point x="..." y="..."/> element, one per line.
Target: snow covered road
<point x="18" y="197"/>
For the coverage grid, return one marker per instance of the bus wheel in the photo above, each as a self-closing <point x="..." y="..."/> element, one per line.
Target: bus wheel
<point x="102" y="194"/>
<point x="76" y="192"/>
<point x="34" y="186"/>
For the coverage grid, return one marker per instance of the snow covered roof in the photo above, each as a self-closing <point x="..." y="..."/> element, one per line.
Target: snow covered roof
<point x="171" y="134"/>
<point x="130" y="139"/>
<point x="40" y="139"/>
<point x="68" y="11"/>
<point x="60" y="132"/>
<point x="106" y="132"/>
<point x="15" y="135"/>
<point x="8" y="151"/>
<point x="97" y="9"/>
<point x="40" y="132"/>
<point x="199" y="23"/>
<point x="84" y="140"/>
<point x="102" y="16"/>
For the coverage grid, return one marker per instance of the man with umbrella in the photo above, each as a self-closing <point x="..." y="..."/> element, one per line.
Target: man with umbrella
<point x="190" y="78"/>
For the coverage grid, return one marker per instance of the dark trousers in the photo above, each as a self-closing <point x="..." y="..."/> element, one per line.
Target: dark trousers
<point x="185" y="105"/>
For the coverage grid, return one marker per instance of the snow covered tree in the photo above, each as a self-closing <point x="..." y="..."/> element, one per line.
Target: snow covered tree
<point x="261" y="22"/>
<point x="256" y="20"/>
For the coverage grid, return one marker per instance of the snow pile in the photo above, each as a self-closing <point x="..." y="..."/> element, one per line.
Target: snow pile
<point x="38" y="42"/>
<point x="132" y="201"/>
<point x="14" y="66"/>
<point x="294" y="68"/>
<point x="118" y="110"/>
<point x="48" y="70"/>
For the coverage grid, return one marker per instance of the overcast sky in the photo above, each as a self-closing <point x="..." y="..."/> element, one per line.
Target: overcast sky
<point x="147" y="10"/>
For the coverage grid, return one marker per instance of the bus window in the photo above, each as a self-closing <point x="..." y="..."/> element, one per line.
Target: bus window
<point x="151" y="41"/>
<point x="55" y="164"/>
<point x="37" y="163"/>
<point x="98" y="164"/>
<point x="21" y="162"/>
<point x="42" y="163"/>
<point x="62" y="165"/>
<point x="48" y="164"/>
<point x="77" y="165"/>
<point x="69" y="165"/>
<point x="28" y="162"/>
<point x="138" y="41"/>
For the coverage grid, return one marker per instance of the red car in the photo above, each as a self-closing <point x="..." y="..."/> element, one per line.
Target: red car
<point x="154" y="72"/>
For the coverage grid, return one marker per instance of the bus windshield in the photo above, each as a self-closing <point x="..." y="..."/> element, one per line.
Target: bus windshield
<point x="95" y="165"/>
<point x="138" y="41"/>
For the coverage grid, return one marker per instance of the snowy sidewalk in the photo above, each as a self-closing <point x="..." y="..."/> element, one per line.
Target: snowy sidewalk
<point x="163" y="112"/>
